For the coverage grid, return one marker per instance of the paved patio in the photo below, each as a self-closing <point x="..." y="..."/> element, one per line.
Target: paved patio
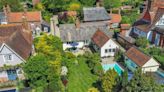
<point x="81" y="51"/>
<point x="108" y="60"/>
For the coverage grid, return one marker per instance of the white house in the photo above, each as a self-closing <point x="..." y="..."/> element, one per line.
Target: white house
<point x="15" y="48"/>
<point x="135" y="59"/>
<point x="103" y="44"/>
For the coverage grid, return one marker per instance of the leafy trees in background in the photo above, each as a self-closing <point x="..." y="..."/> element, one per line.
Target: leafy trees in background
<point x="15" y="5"/>
<point x="109" y="80"/>
<point x="142" y="42"/>
<point x="109" y="4"/>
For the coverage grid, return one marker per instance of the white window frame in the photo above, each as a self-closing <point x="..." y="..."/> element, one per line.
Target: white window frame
<point x="5" y="58"/>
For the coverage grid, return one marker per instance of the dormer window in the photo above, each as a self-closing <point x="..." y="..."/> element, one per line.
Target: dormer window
<point x="8" y="57"/>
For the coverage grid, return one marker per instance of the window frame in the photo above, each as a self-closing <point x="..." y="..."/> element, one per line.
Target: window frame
<point x="8" y="58"/>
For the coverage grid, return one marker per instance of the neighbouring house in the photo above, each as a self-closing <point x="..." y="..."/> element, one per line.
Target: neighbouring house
<point x="34" y="19"/>
<point x="153" y="16"/>
<point x="104" y="44"/>
<point x="134" y="59"/>
<point x="15" y="48"/>
<point x="115" y="20"/>
<point x="125" y="41"/>
<point x="95" y="14"/>
<point x="77" y="36"/>
<point x="123" y="37"/>
<point x="2" y="18"/>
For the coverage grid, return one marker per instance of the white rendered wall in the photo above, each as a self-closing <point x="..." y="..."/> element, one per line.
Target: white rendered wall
<point x="110" y="44"/>
<point x="150" y="66"/>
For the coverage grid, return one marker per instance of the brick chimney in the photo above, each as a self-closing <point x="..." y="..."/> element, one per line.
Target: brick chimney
<point x="24" y="19"/>
<point x="6" y="9"/>
<point x="77" y="24"/>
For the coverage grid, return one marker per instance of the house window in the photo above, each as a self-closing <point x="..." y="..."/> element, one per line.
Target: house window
<point x="106" y="50"/>
<point x="8" y="57"/>
<point x="114" y="50"/>
<point x="110" y="50"/>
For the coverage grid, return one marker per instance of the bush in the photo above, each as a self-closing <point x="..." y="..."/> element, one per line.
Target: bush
<point x="142" y="42"/>
<point x="98" y="70"/>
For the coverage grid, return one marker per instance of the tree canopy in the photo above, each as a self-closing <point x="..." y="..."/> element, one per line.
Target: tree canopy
<point x="142" y="42"/>
<point x="15" y="5"/>
<point x="109" y="4"/>
<point x="109" y="80"/>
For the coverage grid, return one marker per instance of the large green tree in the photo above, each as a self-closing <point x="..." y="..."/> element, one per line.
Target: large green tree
<point x="109" y="80"/>
<point x="36" y="70"/>
<point x="48" y="44"/>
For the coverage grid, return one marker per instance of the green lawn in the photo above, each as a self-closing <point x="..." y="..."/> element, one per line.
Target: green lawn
<point x="80" y="78"/>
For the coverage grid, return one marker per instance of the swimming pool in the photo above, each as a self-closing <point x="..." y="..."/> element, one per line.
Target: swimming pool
<point x="114" y="66"/>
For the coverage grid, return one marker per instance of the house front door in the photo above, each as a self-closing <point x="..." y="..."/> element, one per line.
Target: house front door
<point x="12" y="74"/>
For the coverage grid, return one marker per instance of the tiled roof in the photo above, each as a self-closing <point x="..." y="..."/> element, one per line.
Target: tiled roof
<point x="144" y="27"/>
<point x="137" y="56"/>
<point x="69" y="32"/>
<point x="17" y="39"/>
<point x="159" y="13"/>
<point x="100" y="38"/>
<point x="125" y="26"/>
<point x="16" y="17"/>
<point x="95" y="14"/>
<point x="115" y="18"/>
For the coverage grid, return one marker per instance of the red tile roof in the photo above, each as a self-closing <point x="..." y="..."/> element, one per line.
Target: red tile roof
<point x="17" y="39"/>
<point x="146" y="16"/>
<point x="125" y="26"/>
<point x="100" y="38"/>
<point x="16" y="17"/>
<point x="115" y="18"/>
<point x="137" y="56"/>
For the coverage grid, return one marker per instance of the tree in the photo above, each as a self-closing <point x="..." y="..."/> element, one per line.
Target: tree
<point x="85" y="3"/>
<point x="142" y="83"/>
<point x="109" y="80"/>
<point x="93" y="90"/>
<point x="36" y="70"/>
<point x="74" y="7"/>
<point x="142" y="42"/>
<point x="119" y="56"/>
<point x="109" y="4"/>
<point x="48" y="44"/>
<point x="15" y="5"/>
<point x="55" y="83"/>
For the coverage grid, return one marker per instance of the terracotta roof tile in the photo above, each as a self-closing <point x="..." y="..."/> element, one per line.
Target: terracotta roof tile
<point x="115" y="18"/>
<point x="137" y="56"/>
<point x="100" y="38"/>
<point x="125" y="26"/>
<point x="16" y="17"/>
